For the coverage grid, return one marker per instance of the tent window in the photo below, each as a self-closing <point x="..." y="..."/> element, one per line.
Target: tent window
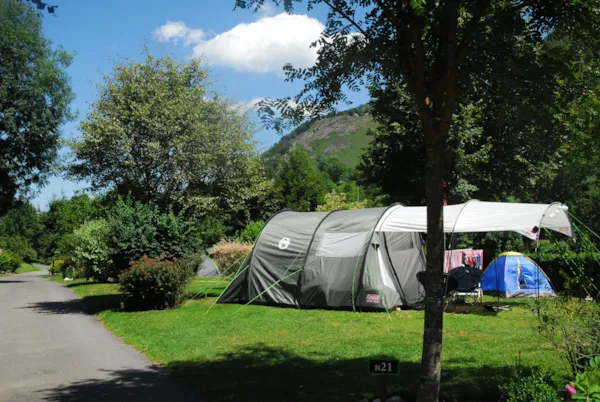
<point x="399" y="241"/>
<point x="340" y="245"/>
<point x="384" y="270"/>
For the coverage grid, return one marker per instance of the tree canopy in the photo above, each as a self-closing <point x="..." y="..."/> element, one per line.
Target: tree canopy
<point x="62" y="218"/>
<point x="35" y="94"/>
<point x="299" y="183"/>
<point x="157" y="133"/>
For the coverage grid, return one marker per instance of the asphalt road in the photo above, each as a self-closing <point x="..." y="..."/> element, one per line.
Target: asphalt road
<point x="50" y="350"/>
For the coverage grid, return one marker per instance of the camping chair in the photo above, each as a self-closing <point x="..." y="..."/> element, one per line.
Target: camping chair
<point x="469" y="283"/>
<point x="459" y="282"/>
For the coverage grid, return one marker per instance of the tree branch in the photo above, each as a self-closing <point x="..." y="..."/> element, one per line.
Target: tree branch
<point x="347" y="18"/>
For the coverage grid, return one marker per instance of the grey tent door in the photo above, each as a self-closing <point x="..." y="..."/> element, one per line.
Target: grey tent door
<point x="334" y="266"/>
<point x="277" y="260"/>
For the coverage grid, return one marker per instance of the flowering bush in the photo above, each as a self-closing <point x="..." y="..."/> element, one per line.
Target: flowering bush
<point x="67" y="267"/>
<point x="154" y="283"/>
<point x="56" y="267"/>
<point x="229" y="255"/>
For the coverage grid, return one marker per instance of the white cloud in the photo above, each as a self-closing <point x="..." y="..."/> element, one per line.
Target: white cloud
<point x="250" y="105"/>
<point x="177" y="31"/>
<point x="266" y="10"/>
<point x="264" y="45"/>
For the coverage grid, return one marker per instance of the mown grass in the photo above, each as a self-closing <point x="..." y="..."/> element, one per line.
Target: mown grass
<point x="236" y="353"/>
<point x="24" y="268"/>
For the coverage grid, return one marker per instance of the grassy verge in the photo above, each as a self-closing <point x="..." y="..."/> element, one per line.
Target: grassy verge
<point x="24" y="268"/>
<point x="282" y="354"/>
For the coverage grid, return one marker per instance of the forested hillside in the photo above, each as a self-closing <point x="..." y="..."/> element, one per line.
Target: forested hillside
<point x="342" y="134"/>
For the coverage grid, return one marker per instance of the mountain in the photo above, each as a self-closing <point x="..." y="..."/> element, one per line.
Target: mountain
<point x="341" y="134"/>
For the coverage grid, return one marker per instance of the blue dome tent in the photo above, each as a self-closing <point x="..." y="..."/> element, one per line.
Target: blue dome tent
<point x="515" y="275"/>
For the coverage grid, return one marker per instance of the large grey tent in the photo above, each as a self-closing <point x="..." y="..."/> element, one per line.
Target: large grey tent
<point x="330" y="260"/>
<point x="368" y="257"/>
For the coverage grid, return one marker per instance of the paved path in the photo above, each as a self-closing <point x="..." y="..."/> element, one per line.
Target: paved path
<point x="50" y="350"/>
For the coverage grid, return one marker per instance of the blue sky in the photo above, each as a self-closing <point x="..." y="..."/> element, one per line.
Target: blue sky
<point x="243" y="50"/>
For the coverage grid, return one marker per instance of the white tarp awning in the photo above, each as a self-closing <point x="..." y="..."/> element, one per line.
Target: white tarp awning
<point x="478" y="216"/>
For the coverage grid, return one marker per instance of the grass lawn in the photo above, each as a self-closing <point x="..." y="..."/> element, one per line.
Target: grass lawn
<point x="259" y="353"/>
<point x="24" y="268"/>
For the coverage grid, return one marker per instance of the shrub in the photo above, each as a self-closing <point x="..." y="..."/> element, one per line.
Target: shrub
<point x="29" y="254"/>
<point x="66" y="267"/>
<point x="229" y="255"/>
<point x="19" y="245"/>
<point x="138" y="230"/>
<point x="56" y="267"/>
<point x="587" y="383"/>
<point x="252" y="231"/>
<point x="210" y="230"/>
<point x="335" y="201"/>
<point x="530" y="384"/>
<point x="572" y="326"/>
<point x="92" y="252"/>
<point x="9" y="261"/>
<point x="192" y="263"/>
<point x="154" y="283"/>
<point x="66" y="244"/>
<point x="571" y="267"/>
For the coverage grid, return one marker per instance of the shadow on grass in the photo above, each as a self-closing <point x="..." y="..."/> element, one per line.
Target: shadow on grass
<point x="77" y="284"/>
<point x="153" y="385"/>
<point x="262" y="373"/>
<point x="515" y="302"/>
<point x="265" y="374"/>
<point x="86" y="305"/>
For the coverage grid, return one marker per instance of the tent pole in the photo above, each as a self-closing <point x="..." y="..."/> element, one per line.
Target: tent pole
<point x="283" y="276"/>
<point x="584" y="225"/>
<point x="207" y="289"/>
<point x="354" y="283"/>
<point x="234" y="278"/>
<point x="267" y="289"/>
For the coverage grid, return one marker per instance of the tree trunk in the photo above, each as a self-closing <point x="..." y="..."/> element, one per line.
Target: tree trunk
<point x="431" y="361"/>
